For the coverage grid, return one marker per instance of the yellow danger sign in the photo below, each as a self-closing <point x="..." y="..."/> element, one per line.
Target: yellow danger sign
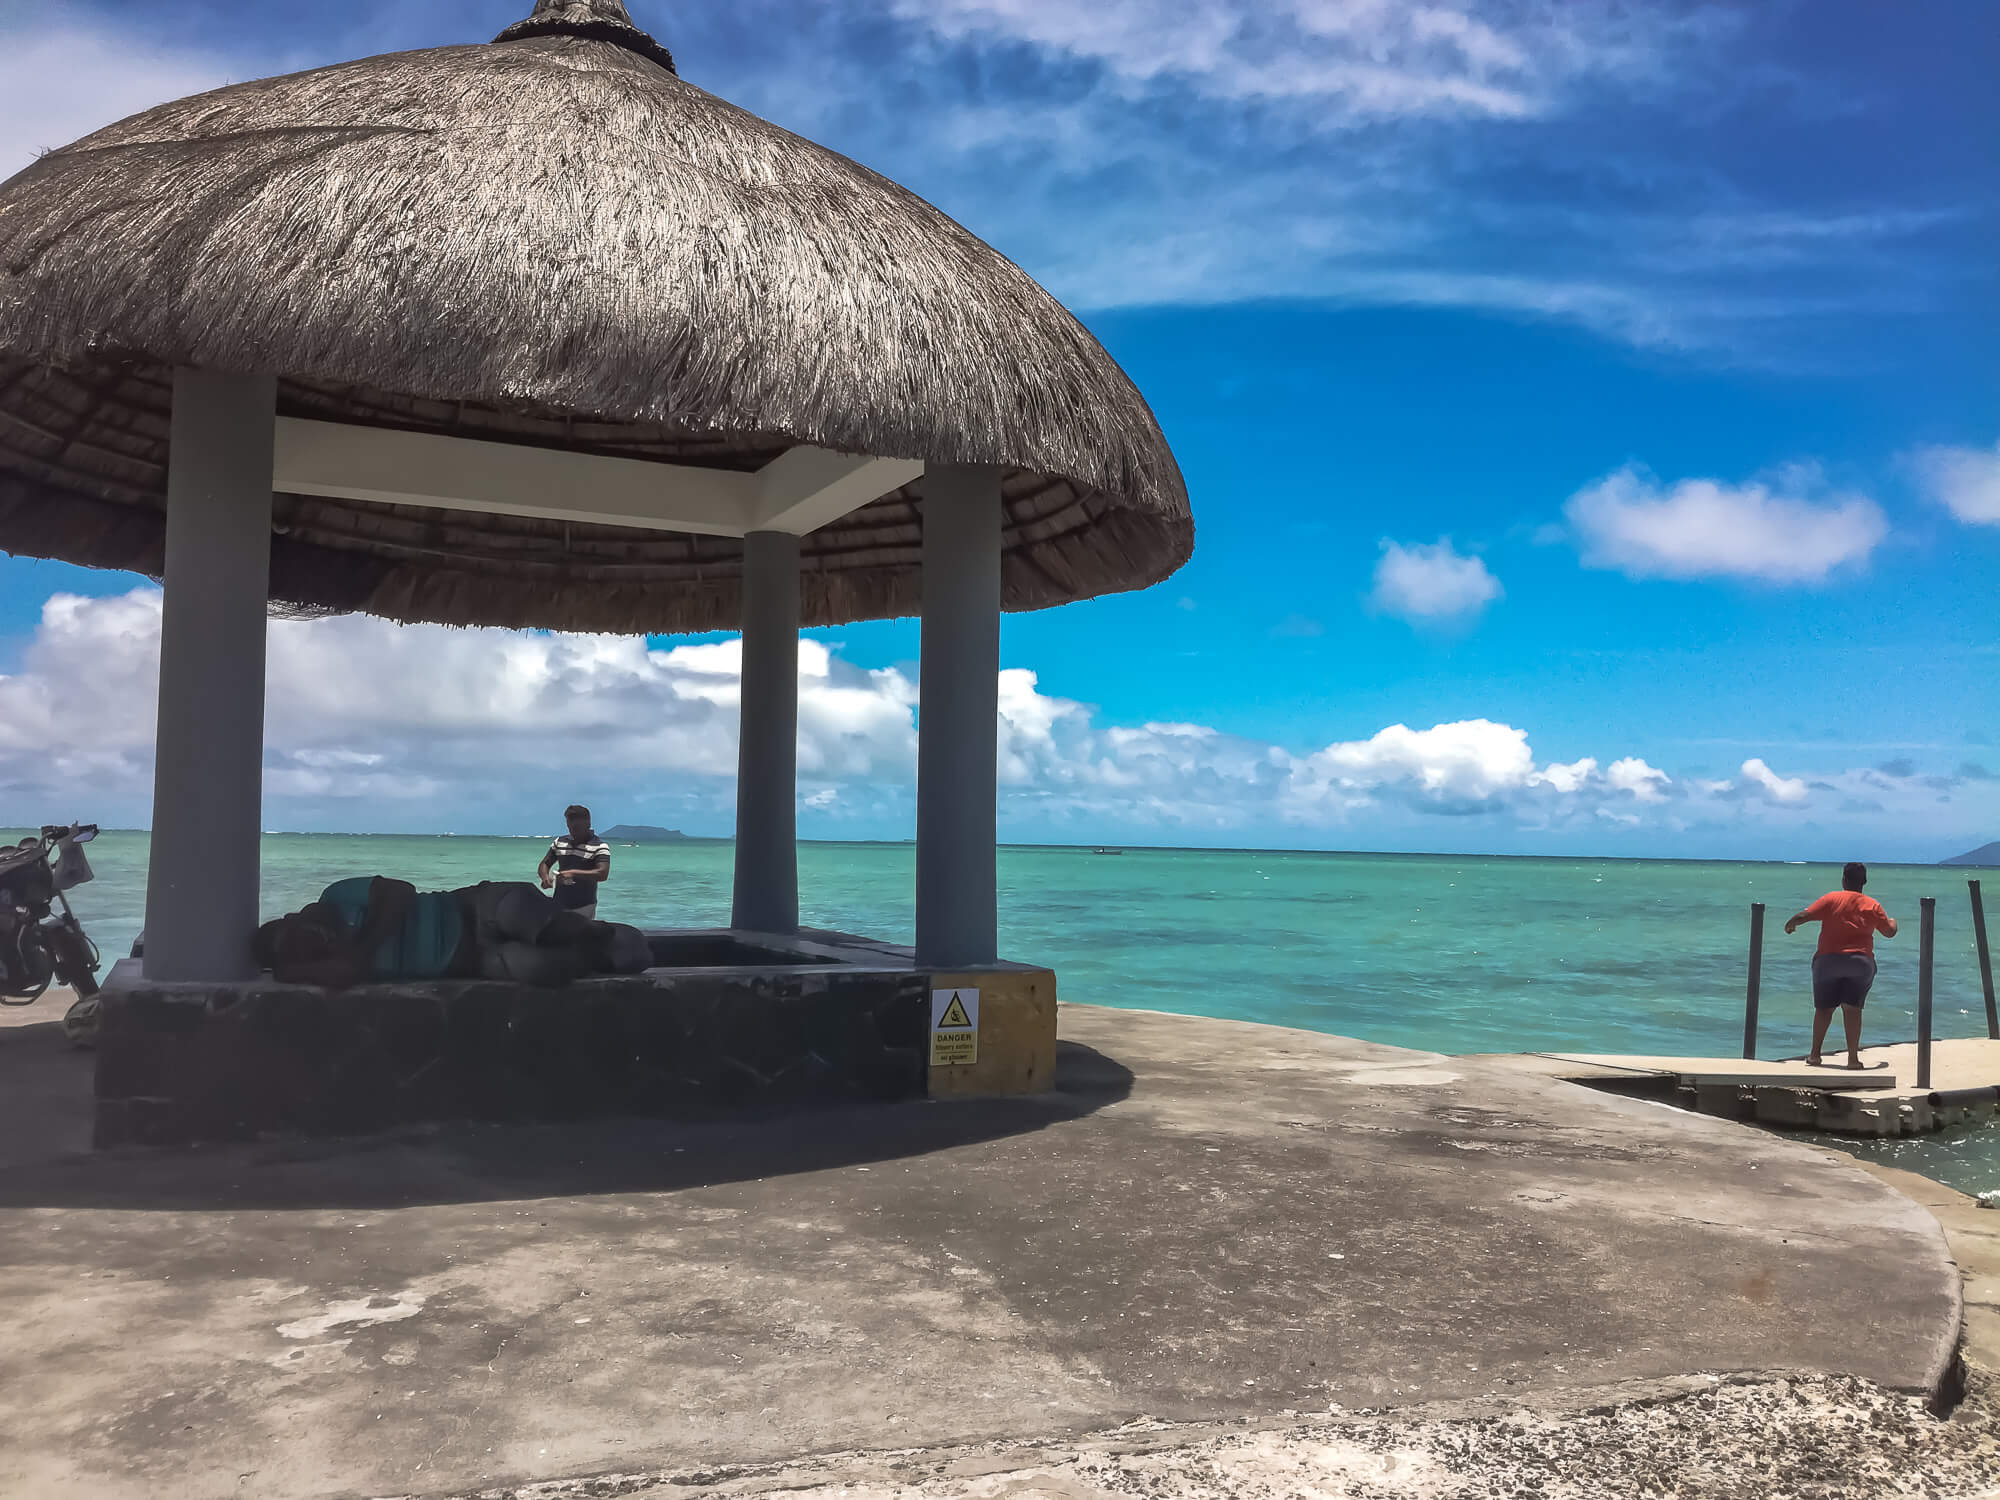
<point x="954" y="1049"/>
<point x="954" y="1028"/>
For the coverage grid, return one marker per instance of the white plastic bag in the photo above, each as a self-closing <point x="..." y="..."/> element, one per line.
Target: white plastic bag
<point x="71" y="868"/>
<point x="79" y="1022"/>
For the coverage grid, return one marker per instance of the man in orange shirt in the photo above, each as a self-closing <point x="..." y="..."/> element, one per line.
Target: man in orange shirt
<point x="1844" y="966"/>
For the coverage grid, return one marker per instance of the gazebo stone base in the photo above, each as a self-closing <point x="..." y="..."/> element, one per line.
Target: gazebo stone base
<point x="1016" y="1036"/>
<point x="730" y="1024"/>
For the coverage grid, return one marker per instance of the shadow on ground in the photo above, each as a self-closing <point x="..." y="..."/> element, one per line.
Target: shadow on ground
<point x="1270" y="1222"/>
<point x="46" y="1162"/>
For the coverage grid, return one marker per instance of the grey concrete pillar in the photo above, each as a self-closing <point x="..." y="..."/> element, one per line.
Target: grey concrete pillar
<point x="208" y="773"/>
<point x="767" y="755"/>
<point x="957" y="727"/>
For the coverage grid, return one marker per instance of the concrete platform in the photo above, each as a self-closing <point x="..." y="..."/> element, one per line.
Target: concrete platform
<point x="1973" y="1234"/>
<point x="1880" y="1099"/>
<point x="727" y="1023"/>
<point x="1203" y="1222"/>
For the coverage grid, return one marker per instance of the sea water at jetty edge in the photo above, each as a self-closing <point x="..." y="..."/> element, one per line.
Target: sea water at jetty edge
<point x="1450" y="953"/>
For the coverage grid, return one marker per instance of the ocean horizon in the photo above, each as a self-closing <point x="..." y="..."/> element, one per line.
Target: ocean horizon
<point x="1094" y="845"/>
<point x="1451" y="953"/>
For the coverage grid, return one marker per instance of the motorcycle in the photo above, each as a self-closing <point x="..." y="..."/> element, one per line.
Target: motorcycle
<point x="41" y="941"/>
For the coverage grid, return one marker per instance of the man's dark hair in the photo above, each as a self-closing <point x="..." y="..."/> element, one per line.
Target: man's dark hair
<point x="577" y="810"/>
<point x="299" y="937"/>
<point x="1854" y="876"/>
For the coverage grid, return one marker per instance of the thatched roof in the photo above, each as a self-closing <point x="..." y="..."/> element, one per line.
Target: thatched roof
<point x="548" y="239"/>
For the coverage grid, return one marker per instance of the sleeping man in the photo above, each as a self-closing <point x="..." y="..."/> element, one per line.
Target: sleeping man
<point x="371" y="929"/>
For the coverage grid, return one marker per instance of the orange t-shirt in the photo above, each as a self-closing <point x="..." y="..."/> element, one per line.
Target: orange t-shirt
<point x="1848" y="922"/>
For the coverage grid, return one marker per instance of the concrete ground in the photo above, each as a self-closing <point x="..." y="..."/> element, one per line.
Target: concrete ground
<point x="1972" y="1234"/>
<point x="1800" y="1438"/>
<point x="1205" y="1223"/>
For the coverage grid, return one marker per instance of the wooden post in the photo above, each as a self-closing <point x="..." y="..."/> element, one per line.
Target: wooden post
<point x="1756" y="979"/>
<point x="1926" y="938"/>
<point x="1985" y="960"/>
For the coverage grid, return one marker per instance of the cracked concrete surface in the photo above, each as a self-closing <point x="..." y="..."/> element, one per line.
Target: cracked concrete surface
<point x="1972" y="1234"/>
<point x="1803" y="1438"/>
<point x="1206" y="1222"/>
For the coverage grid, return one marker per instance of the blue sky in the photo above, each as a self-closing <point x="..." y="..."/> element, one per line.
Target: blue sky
<point x="1622" y="379"/>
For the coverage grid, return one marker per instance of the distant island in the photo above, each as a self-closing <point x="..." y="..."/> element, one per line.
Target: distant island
<point x="1985" y="854"/>
<point x="640" y="833"/>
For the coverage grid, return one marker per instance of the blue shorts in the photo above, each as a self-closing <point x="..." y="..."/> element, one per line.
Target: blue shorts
<point x="1841" y="979"/>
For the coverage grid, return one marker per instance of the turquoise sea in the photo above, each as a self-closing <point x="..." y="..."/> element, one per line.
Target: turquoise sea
<point x="1448" y="953"/>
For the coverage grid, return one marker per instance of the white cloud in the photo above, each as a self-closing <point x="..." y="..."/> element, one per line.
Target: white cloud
<point x="1778" y="532"/>
<point x="1353" y="60"/>
<point x="1788" y="791"/>
<point x="1645" y="783"/>
<point x="371" y="724"/>
<point x="362" y="710"/>
<point x="1362" y="60"/>
<point x="61" y="83"/>
<point x="1431" y="582"/>
<point x="1570" y="778"/>
<point x="1454" y="766"/>
<point x="80" y="714"/>
<point x="1965" y="481"/>
<point x="1361" y="152"/>
<point x="1196" y="152"/>
<point x="1628" y="776"/>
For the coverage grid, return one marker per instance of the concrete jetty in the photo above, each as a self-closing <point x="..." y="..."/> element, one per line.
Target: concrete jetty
<point x="1204" y="1222"/>
<point x="1880" y="1099"/>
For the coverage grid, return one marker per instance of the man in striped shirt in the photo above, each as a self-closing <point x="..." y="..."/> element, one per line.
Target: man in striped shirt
<point x="576" y="864"/>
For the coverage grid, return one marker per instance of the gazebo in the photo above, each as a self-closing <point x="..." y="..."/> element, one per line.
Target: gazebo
<point x="534" y="333"/>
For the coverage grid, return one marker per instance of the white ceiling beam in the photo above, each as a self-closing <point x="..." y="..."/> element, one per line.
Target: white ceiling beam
<point x="804" y="488"/>
<point x="450" y="473"/>
<point x="799" y="491"/>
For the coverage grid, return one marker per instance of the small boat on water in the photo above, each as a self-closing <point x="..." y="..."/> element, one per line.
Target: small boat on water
<point x="1107" y="851"/>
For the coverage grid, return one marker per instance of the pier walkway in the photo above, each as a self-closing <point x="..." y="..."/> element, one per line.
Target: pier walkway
<point x="1205" y="1222"/>
<point x="1881" y="1099"/>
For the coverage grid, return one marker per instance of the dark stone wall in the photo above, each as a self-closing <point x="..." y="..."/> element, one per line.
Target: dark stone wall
<point x="239" y="1061"/>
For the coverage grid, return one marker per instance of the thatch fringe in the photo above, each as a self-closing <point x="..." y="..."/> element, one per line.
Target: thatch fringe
<point x="554" y="241"/>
